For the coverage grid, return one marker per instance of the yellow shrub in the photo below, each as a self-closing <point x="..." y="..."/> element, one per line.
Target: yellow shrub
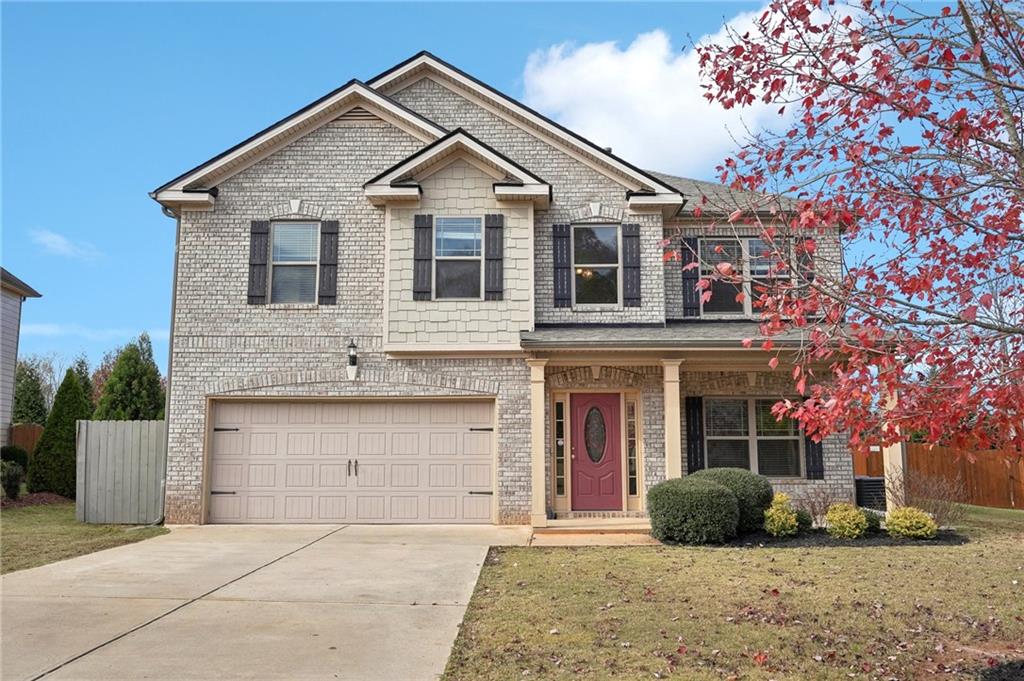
<point x="911" y="522"/>
<point x="845" y="521"/>
<point x="780" y="520"/>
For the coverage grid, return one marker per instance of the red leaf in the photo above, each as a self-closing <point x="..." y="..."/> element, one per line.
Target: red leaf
<point x="747" y="342"/>
<point x="760" y="658"/>
<point x="773" y="362"/>
<point x="924" y="85"/>
<point x="735" y="215"/>
<point x="970" y="313"/>
<point x="986" y="300"/>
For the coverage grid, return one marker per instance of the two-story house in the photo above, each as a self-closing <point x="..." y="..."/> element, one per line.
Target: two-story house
<point x="416" y="300"/>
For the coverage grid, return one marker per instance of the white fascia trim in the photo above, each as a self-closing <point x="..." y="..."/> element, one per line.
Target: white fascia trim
<point x="539" y="194"/>
<point x="428" y="131"/>
<point x="380" y="195"/>
<point x="668" y="204"/>
<point x="188" y="200"/>
<point x="444" y="148"/>
<point x="382" y="82"/>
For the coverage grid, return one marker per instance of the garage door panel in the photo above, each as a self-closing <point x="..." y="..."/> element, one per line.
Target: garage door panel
<point x="292" y="462"/>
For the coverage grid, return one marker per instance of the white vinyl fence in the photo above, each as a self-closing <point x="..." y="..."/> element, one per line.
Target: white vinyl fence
<point x="120" y="471"/>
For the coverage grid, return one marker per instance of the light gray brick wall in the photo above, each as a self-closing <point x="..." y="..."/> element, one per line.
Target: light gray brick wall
<point x="460" y="189"/>
<point x="574" y="185"/>
<point x="223" y="346"/>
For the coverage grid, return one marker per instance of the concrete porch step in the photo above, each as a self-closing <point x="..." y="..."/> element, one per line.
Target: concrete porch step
<point x="596" y="526"/>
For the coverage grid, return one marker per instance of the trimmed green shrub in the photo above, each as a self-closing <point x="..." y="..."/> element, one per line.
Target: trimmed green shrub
<point x="753" y="492"/>
<point x="845" y="521"/>
<point x="692" y="511"/>
<point x="11" y="477"/>
<point x="780" y="520"/>
<point x="53" y="463"/>
<point x="804" y="520"/>
<point x="874" y="521"/>
<point x="912" y="523"/>
<point x="15" y="454"/>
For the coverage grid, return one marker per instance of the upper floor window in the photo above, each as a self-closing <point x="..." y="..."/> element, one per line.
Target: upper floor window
<point x="293" y="262"/>
<point x="756" y="266"/>
<point x="596" y="264"/>
<point x="743" y="433"/>
<point x="458" y="257"/>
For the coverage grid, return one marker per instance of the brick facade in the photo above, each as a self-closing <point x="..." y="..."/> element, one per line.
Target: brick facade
<point x="223" y="346"/>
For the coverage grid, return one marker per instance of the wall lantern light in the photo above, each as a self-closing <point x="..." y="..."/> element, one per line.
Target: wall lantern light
<point x="353" y="360"/>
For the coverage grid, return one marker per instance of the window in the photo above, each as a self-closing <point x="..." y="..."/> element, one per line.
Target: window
<point x="293" y="262"/>
<point x="743" y="433"/>
<point x="595" y="258"/>
<point x="458" y="252"/>
<point x="560" y="448"/>
<point x="757" y="268"/>
<point x="632" y="469"/>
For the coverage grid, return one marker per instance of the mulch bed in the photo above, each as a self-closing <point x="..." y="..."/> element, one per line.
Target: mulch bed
<point x="816" y="538"/>
<point x="35" y="499"/>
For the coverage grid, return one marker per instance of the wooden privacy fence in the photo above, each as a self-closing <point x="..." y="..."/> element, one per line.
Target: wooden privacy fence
<point x="120" y="471"/>
<point x="869" y="465"/>
<point x="25" y="435"/>
<point x="993" y="478"/>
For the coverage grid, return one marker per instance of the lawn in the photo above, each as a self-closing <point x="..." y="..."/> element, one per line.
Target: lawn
<point x="36" y="535"/>
<point x="901" y="612"/>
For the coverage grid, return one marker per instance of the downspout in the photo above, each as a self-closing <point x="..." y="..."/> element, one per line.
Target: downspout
<point x="170" y="363"/>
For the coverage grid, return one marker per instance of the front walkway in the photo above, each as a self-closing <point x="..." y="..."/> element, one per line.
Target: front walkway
<point x="270" y="602"/>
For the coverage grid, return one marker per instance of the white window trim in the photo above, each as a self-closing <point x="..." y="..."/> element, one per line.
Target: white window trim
<point x="752" y="437"/>
<point x="435" y="257"/>
<point x="618" y="267"/>
<point x="274" y="265"/>
<point x="744" y="268"/>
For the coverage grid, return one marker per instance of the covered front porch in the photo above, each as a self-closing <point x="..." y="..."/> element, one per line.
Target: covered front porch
<point x="609" y="413"/>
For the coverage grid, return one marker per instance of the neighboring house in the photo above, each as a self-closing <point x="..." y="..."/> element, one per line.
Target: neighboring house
<point x="13" y="292"/>
<point x="524" y="350"/>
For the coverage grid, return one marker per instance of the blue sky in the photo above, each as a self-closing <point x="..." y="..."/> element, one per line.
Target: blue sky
<point x="101" y="103"/>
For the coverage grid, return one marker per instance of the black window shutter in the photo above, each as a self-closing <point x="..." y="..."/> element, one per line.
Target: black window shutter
<point x="691" y="296"/>
<point x="423" y="253"/>
<point x="562" y="265"/>
<point x="815" y="459"/>
<point x="631" y="265"/>
<point x="259" y="253"/>
<point x="494" y="253"/>
<point x="328" y="288"/>
<point x="694" y="434"/>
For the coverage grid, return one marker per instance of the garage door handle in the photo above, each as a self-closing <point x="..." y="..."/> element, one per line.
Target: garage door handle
<point x="225" y="430"/>
<point x="481" y="430"/>
<point x="486" y="493"/>
<point x="357" y="468"/>
<point x="219" y="492"/>
<point x="350" y="466"/>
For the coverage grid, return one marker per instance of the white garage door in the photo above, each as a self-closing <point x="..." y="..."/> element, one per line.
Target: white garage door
<point x="357" y="462"/>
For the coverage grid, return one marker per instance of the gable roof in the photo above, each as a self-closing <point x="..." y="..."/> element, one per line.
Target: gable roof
<point x="722" y="199"/>
<point x="426" y="63"/>
<point x="516" y="182"/>
<point x="12" y="283"/>
<point x="354" y="93"/>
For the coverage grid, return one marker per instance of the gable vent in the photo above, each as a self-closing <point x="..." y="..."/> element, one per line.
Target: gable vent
<point x="357" y="114"/>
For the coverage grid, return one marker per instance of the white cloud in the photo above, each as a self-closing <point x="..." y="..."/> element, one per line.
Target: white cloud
<point x="58" y="244"/>
<point x="645" y="101"/>
<point x="88" y="333"/>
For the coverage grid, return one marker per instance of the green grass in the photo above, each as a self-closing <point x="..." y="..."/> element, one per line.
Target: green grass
<point x="37" y="535"/>
<point x="752" y="613"/>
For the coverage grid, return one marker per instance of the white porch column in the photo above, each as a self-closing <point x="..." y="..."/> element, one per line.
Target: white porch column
<point x="673" y="430"/>
<point x="538" y="487"/>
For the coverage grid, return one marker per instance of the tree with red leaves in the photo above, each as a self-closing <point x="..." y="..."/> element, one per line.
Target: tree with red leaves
<point x="902" y="129"/>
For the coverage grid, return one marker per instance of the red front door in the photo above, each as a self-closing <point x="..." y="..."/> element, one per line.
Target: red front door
<point x="596" y="452"/>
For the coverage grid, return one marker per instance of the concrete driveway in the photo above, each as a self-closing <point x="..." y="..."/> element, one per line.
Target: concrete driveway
<point x="250" y="602"/>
